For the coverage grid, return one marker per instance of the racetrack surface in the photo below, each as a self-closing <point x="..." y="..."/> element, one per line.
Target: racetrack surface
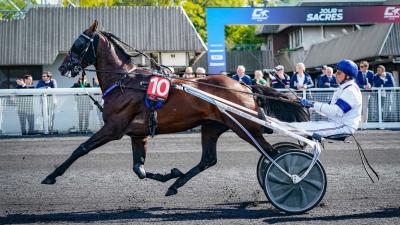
<point x="101" y="187"/>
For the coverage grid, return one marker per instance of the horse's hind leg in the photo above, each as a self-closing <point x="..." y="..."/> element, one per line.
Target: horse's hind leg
<point x="104" y="135"/>
<point x="139" y="149"/>
<point x="210" y="133"/>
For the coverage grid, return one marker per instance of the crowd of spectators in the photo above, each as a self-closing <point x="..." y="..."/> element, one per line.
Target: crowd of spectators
<point x="302" y="80"/>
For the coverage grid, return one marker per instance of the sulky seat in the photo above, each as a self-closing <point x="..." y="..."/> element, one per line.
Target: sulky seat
<point x="338" y="137"/>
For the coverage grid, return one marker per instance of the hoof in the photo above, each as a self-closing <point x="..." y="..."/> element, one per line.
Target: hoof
<point x="176" y="173"/>
<point x="171" y="191"/>
<point x="49" y="181"/>
<point x="139" y="170"/>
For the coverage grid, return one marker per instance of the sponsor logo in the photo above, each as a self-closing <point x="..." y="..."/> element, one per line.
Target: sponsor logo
<point x="260" y="14"/>
<point x="326" y="14"/>
<point x="217" y="64"/>
<point x="217" y="45"/>
<point x="216" y="50"/>
<point x="217" y="57"/>
<point x="392" y="13"/>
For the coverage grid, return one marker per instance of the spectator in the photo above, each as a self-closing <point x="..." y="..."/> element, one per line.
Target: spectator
<point x="364" y="81"/>
<point x="98" y="97"/>
<point x="2" y="108"/>
<point x="200" y="72"/>
<point x="95" y="81"/>
<point x="323" y="70"/>
<point x="26" y="82"/>
<point x="25" y="105"/>
<point x="301" y="80"/>
<point x="327" y="80"/>
<point x="84" y="105"/>
<point x="258" y="78"/>
<point x="188" y="72"/>
<point x="241" y="76"/>
<point x="365" y="77"/>
<point x="48" y="82"/>
<point x="284" y="79"/>
<point x="384" y="79"/>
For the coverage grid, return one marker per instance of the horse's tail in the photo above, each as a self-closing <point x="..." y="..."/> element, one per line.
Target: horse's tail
<point x="279" y="105"/>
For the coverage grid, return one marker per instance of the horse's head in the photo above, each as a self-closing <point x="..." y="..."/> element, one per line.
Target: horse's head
<point x="82" y="52"/>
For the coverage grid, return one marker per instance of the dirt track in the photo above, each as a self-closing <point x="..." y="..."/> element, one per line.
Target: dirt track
<point x="102" y="189"/>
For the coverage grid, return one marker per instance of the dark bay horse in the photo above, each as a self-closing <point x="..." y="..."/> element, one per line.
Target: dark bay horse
<point x="125" y="112"/>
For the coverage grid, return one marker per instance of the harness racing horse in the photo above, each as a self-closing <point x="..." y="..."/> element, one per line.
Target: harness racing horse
<point x="125" y="112"/>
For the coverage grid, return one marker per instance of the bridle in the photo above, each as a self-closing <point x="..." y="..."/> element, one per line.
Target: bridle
<point x="79" y="57"/>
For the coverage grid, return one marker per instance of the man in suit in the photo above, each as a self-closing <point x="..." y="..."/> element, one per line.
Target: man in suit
<point x="383" y="79"/>
<point x="25" y="105"/>
<point x="241" y="76"/>
<point x="327" y="80"/>
<point x="364" y="81"/>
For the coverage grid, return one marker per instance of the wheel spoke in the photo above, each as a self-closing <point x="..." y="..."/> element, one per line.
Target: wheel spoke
<point x="284" y="196"/>
<point x="317" y="184"/>
<point x="304" y="166"/>
<point x="278" y="180"/>
<point x="293" y="162"/>
<point x="303" y="197"/>
<point x="286" y="162"/>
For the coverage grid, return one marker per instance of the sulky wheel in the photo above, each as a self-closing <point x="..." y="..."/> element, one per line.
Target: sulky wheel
<point x="263" y="162"/>
<point x="300" y="197"/>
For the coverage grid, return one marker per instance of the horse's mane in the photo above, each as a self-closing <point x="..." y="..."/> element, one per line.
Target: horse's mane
<point x="116" y="41"/>
<point x="286" y="110"/>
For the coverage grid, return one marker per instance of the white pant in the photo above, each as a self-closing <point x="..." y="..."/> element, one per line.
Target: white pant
<point x="323" y="128"/>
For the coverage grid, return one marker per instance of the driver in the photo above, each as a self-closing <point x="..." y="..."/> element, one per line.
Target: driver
<point x="343" y="111"/>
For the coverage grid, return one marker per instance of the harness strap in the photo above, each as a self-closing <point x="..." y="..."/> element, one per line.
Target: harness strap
<point x="109" y="90"/>
<point x="90" y="96"/>
<point x="152" y="120"/>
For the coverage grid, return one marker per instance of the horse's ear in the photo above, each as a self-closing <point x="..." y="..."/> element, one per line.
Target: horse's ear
<point x="93" y="27"/>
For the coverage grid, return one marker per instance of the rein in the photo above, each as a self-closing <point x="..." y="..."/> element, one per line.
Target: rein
<point x="117" y="84"/>
<point x="244" y="92"/>
<point x="116" y="39"/>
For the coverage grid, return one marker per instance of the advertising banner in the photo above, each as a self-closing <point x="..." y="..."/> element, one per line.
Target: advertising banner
<point x="217" y="18"/>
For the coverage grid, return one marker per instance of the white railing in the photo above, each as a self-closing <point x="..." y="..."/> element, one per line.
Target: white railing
<point x="47" y="111"/>
<point x="68" y="110"/>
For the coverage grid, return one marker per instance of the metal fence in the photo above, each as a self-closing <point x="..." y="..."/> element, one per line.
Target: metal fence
<point x="69" y="111"/>
<point x="49" y="111"/>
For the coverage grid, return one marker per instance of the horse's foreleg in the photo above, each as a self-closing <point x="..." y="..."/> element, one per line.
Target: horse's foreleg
<point x="139" y="149"/>
<point x="209" y="136"/>
<point x="104" y="135"/>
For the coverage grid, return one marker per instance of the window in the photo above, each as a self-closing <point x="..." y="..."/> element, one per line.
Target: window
<point x="296" y="39"/>
<point x="10" y="74"/>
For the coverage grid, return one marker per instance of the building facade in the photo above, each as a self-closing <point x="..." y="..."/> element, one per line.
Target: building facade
<point x="40" y="41"/>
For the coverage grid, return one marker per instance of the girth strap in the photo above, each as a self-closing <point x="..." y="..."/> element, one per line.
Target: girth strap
<point x="152" y="120"/>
